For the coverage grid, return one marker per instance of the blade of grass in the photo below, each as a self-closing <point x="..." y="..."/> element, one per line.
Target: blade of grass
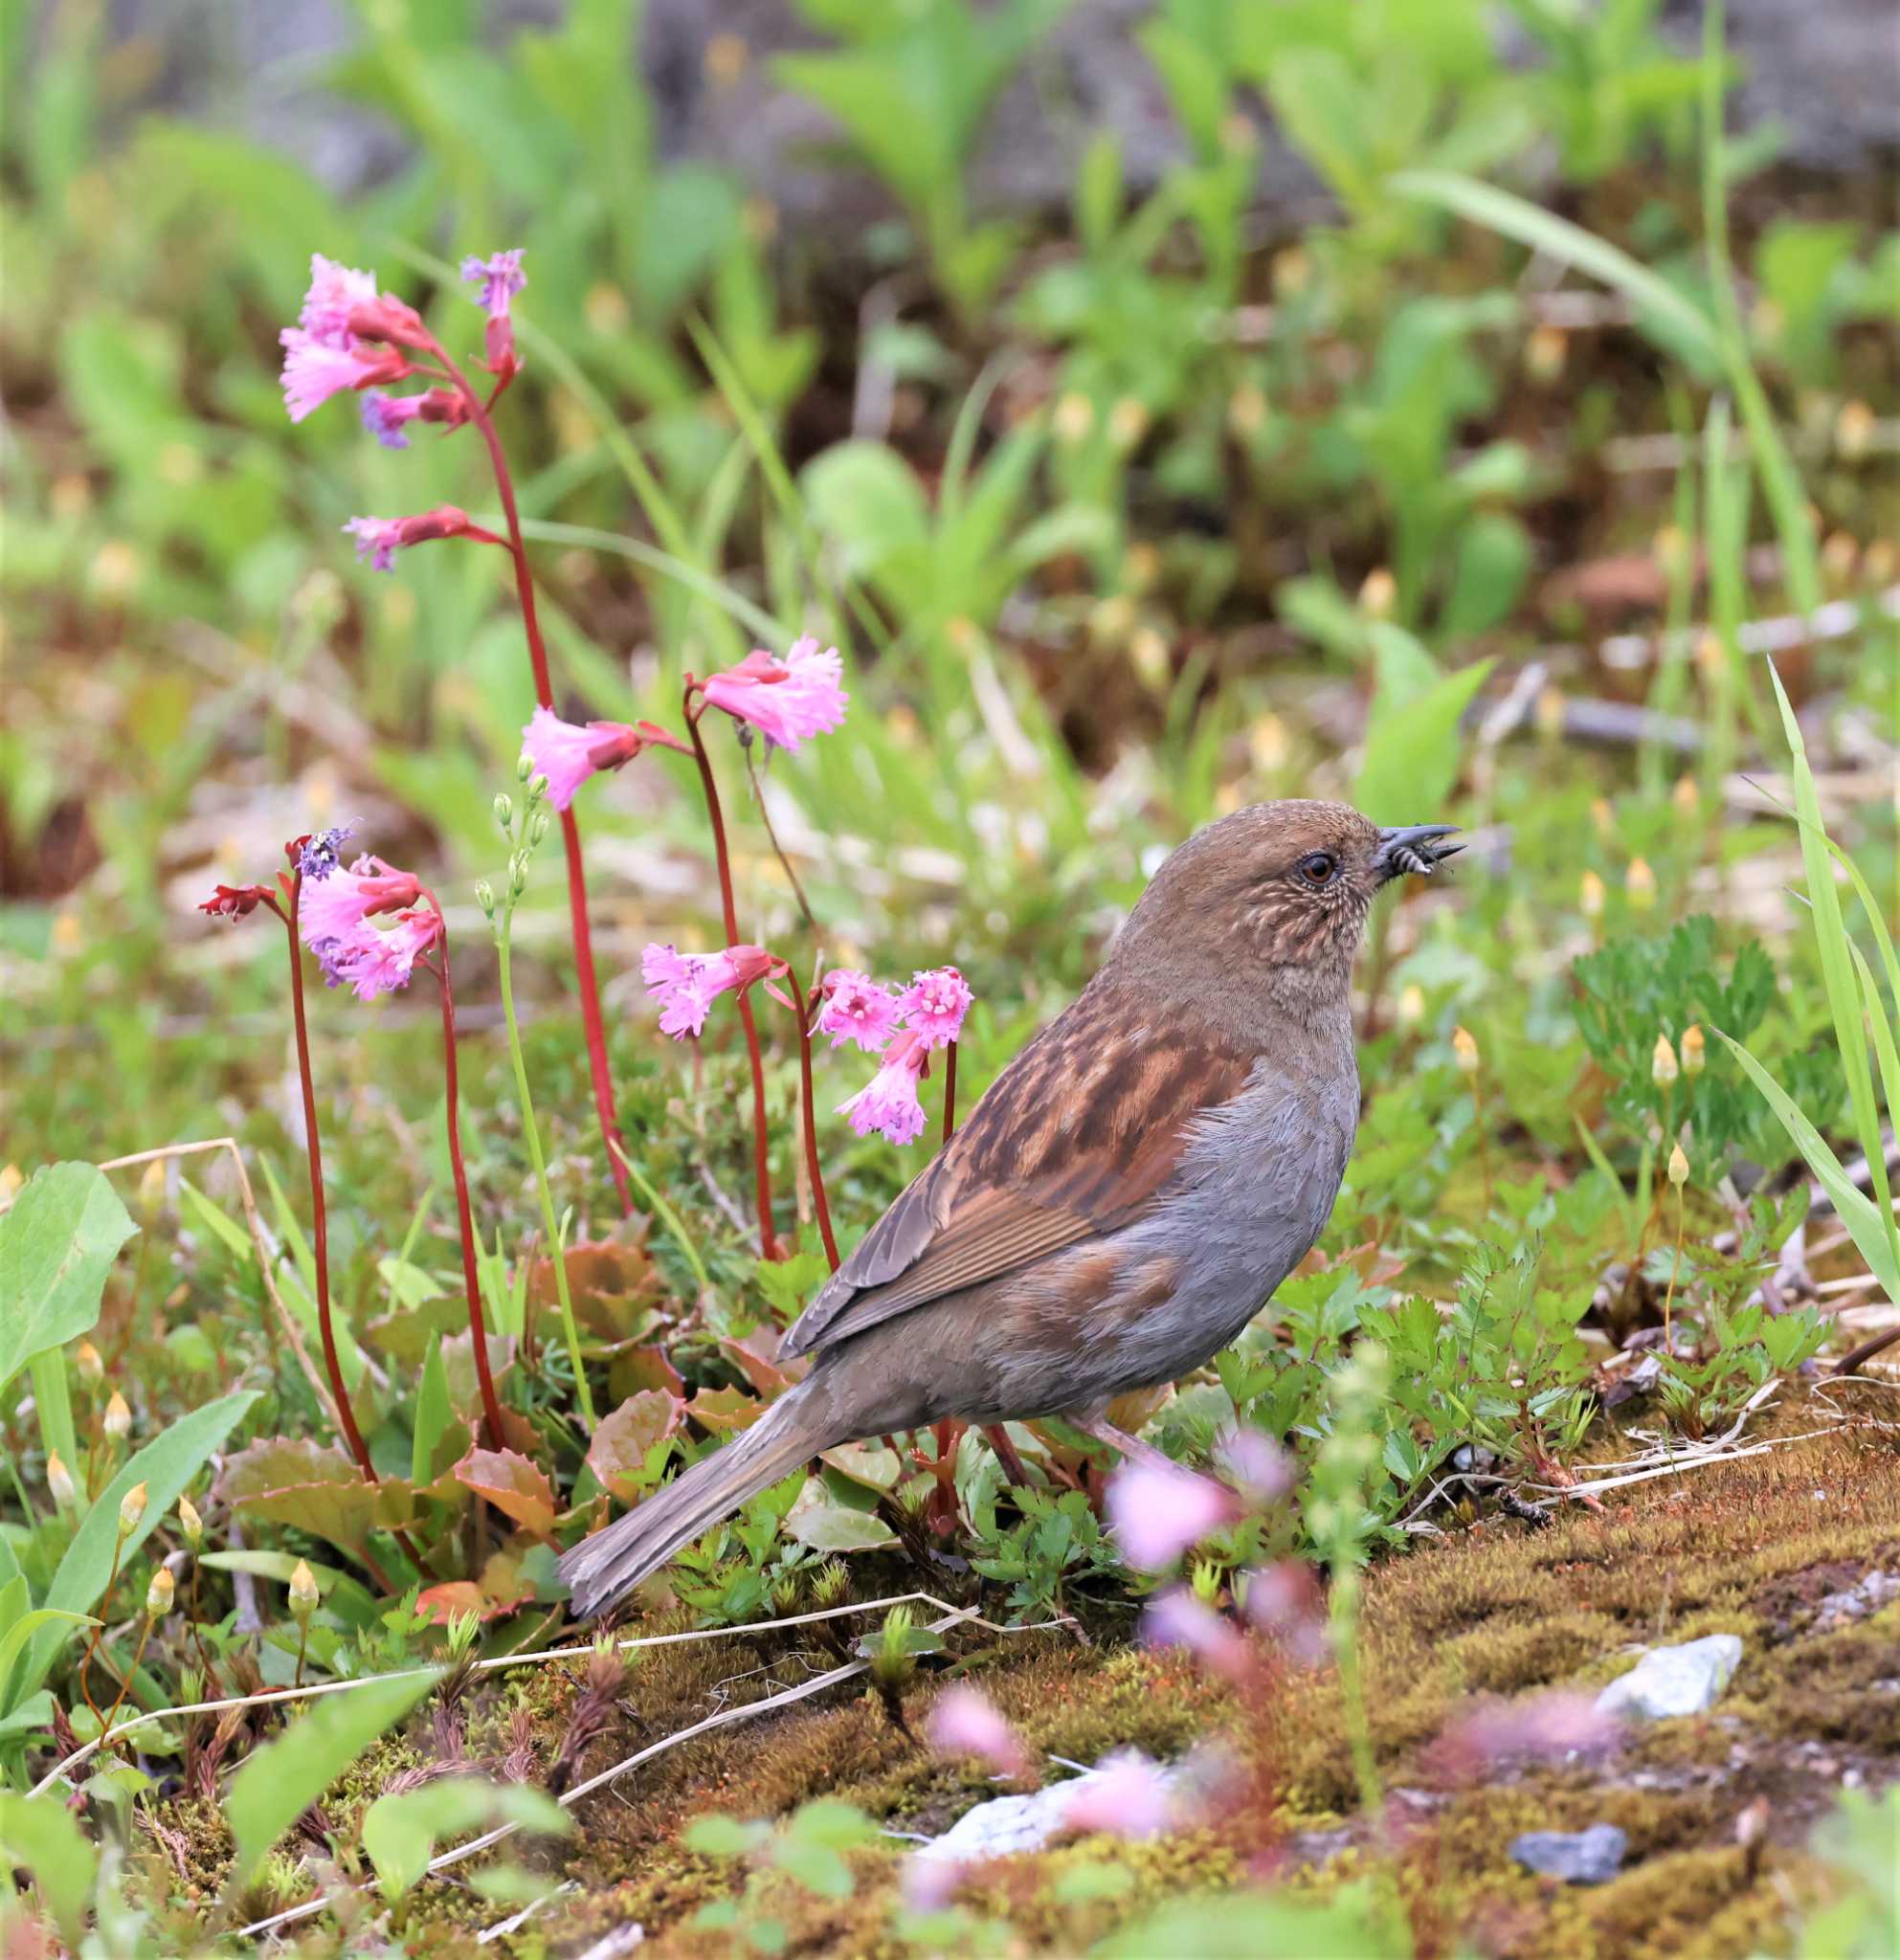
<point x="1837" y="972"/>
<point x="1854" y="1208"/>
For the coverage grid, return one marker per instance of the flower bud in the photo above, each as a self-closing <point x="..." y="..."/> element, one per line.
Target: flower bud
<point x="1073" y="418"/>
<point x="1640" y="884"/>
<point x="116" y="1421"/>
<point x="1411" y="1005"/>
<point x="86" y="1359"/>
<point x="485" y="896"/>
<point x="1127" y="422"/>
<point x="537" y="829"/>
<point x="59" y="1482"/>
<point x="1545" y="351"/>
<point x="190" y="1524"/>
<point x="1380" y="594"/>
<point x="524" y="767"/>
<point x="504" y="812"/>
<point x="158" y="1594"/>
<point x="1603" y="817"/>
<point x="1854" y="429"/>
<point x="152" y="1188"/>
<point x="1678" y="1168"/>
<point x="1695" y="1057"/>
<point x="303" y="1590"/>
<point x="1590" y="894"/>
<point x="537" y="788"/>
<point x="1464" y="1051"/>
<point x="1663" y="1069"/>
<point x="1686" y="797"/>
<point x="517" y="875"/>
<point x="131" y="1510"/>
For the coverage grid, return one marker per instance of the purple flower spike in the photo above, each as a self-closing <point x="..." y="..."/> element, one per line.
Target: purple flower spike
<point x="499" y="278"/>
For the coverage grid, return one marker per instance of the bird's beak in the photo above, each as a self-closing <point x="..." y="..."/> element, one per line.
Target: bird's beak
<point x="1412" y="847"/>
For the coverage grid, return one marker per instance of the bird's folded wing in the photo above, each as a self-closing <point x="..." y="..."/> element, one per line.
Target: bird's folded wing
<point x="1076" y="1135"/>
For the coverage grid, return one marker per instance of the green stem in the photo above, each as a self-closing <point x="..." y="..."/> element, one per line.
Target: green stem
<point x="557" y="1252"/>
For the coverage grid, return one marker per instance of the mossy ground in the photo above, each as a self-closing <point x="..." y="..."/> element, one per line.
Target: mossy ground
<point x="1750" y="1546"/>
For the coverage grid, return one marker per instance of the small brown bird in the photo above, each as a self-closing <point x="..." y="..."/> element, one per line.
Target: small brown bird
<point x="1121" y="1203"/>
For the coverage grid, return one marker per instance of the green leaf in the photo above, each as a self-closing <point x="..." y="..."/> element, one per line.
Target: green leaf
<point x="1412" y="749"/>
<point x="434" y="1412"/>
<point x="401" y="1831"/>
<point x="1857" y="1211"/>
<point x="13" y="1642"/>
<point x="1542" y="231"/>
<point x="40" y="1833"/>
<point x="56" y="1245"/>
<point x="165" y="1467"/>
<point x="279" y="1780"/>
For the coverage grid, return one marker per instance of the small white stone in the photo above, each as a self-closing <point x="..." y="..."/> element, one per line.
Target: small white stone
<point x="1673" y="1680"/>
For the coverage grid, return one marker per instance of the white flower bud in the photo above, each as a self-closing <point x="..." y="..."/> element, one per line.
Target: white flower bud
<point x="158" y="1594"/>
<point x="131" y="1510"/>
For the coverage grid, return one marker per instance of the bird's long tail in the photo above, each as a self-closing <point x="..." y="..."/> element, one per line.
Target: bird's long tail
<point x="601" y="1569"/>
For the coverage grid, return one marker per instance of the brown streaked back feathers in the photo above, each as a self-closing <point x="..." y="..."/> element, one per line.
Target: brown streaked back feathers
<point x="1073" y="1138"/>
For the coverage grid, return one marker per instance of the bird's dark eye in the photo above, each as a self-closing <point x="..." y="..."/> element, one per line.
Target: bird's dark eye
<point x="1317" y="867"/>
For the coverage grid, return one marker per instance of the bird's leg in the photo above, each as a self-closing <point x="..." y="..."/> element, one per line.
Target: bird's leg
<point x="1132" y="1449"/>
<point x="1007" y="1454"/>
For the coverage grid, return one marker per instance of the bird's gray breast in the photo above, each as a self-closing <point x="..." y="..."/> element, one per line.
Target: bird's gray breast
<point x="1253" y="1192"/>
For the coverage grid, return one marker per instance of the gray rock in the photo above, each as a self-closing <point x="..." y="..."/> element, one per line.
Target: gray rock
<point x="1868" y="1595"/>
<point x="1579" y="1857"/>
<point x="1683" y="1680"/>
<point x="1005" y="1825"/>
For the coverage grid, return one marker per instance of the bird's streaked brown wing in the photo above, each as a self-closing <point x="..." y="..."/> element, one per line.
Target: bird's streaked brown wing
<point x="1072" y="1138"/>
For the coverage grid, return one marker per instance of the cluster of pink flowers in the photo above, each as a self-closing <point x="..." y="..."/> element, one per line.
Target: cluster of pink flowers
<point x="347" y="337"/>
<point x="334" y="922"/>
<point x="686" y="985"/>
<point x="906" y="1026"/>
<point x="964" y="1722"/>
<point x="569" y="752"/>
<point x="351" y="338"/>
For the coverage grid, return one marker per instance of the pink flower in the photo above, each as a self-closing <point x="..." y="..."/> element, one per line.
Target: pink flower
<point x="686" y="985"/>
<point x="378" y="539"/>
<point x="1158" y="1514"/>
<point x="569" y="752"/>
<point x="335" y="908"/>
<point x="370" y="962"/>
<point x="1539" y="1728"/>
<point x="1283" y="1601"/>
<point x="1125" y="1794"/>
<point x="930" y="1884"/>
<point x="335" y="293"/>
<point x="935" y="1003"/>
<point x="889" y="1101"/>
<point x="857" y="1008"/>
<point x="499" y="278"/>
<point x="965" y="1722"/>
<point x="790" y="699"/>
<point x="314" y="369"/>
<point x="1176" y="1618"/>
<point x="1255" y="1464"/>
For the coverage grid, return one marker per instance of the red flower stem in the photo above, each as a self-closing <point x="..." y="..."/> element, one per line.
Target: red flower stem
<point x="319" y="1210"/>
<point x="820" y="1203"/>
<point x="470" y="1273"/>
<point x="949" y="1092"/>
<point x="761" y="1170"/>
<point x="570" y="836"/>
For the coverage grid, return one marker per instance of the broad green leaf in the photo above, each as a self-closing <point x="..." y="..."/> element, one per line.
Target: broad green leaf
<point x="40" y="1833"/>
<point x="278" y="1781"/>
<point x="57" y="1243"/>
<point x="14" y="1641"/>
<point x="401" y="1831"/>
<point x="165" y="1467"/>
<point x="1412" y="750"/>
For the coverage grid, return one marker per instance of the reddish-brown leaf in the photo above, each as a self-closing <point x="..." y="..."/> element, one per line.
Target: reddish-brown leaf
<point x="724" y="1410"/>
<point x="513" y="1485"/>
<point x="617" y="1453"/>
